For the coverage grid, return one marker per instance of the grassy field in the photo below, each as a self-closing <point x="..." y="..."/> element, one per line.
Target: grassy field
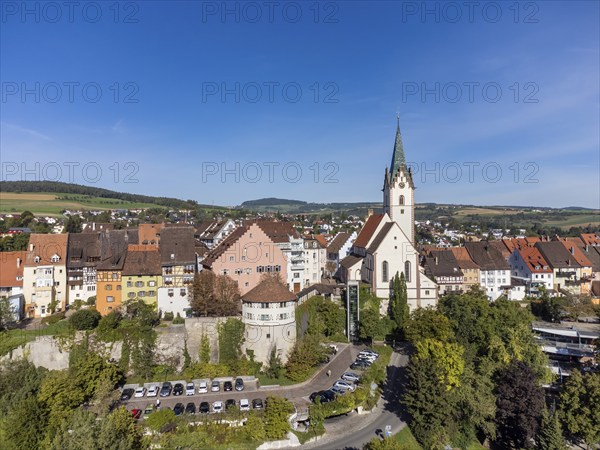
<point x="52" y="204"/>
<point x="406" y="438"/>
<point x="575" y="220"/>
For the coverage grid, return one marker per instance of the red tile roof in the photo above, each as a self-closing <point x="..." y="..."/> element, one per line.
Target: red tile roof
<point x="590" y="238"/>
<point x="45" y="246"/>
<point x="269" y="290"/>
<point x="534" y="260"/>
<point x="11" y="267"/>
<point x="368" y="230"/>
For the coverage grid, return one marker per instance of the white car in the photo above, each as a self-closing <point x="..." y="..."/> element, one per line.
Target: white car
<point x="217" y="407"/>
<point x="343" y="385"/>
<point x="153" y="391"/>
<point x="202" y="387"/>
<point x="190" y="389"/>
<point x="350" y="376"/>
<point x="140" y="392"/>
<point x="244" y="405"/>
<point x="366" y="357"/>
<point x="215" y="386"/>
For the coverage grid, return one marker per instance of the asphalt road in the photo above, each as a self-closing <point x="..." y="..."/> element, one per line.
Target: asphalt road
<point x="354" y="431"/>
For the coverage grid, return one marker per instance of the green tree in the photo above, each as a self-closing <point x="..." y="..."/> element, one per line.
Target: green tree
<point x="255" y="429"/>
<point x="550" y="436"/>
<point x="429" y="323"/>
<point x="161" y="419"/>
<point x="428" y="403"/>
<point x="19" y="380"/>
<point x="231" y="338"/>
<point x="73" y="224"/>
<point x="520" y="404"/>
<point x="578" y="410"/>
<point x="277" y="411"/>
<point x="24" y="425"/>
<point x="204" y="350"/>
<point x="118" y="431"/>
<point x="275" y="367"/>
<point x="202" y="294"/>
<point x="399" y="310"/>
<point x="448" y="358"/>
<point x="6" y="315"/>
<point x="79" y="432"/>
<point x="85" y="319"/>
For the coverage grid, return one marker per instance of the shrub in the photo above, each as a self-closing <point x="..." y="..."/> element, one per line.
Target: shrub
<point x="168" y="316"/>
<point x="85" y="319"/>
<point x="51" y="320"/>
<point x="91" y="301"/>
<point x="178" y="320"/>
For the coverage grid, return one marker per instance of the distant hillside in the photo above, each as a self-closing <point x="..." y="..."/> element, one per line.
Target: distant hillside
<point x="95" y="192"/>
<point x="271" y="201"/>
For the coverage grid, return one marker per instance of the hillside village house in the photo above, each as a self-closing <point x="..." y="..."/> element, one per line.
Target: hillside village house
<point x="494" y="275"/>
<point x="149" y="233"/>
<point x="109" y="271"/>
<point x="386" y="243"/>
<point x="84" y="256"/>
<point x="141" y="275"/>
<point x="315" y="256"/>
<point x="178" y="266"/>
<point x="45" y="274"/>
<point x="246" y="254"/>
<point x="338" y="248"/>
<point x="528" y="264"/>
<point x="213" y="232"/>
<point x="11" y="275"/>
<point x="570" y="273"/>
<point x="469" y="269"/>
<point x="443" y="268"/>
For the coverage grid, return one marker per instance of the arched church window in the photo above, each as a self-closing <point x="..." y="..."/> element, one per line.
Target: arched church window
<point x="384" y="272"/>
<point x="407" y="271"/>
<point x="402" y="199"/>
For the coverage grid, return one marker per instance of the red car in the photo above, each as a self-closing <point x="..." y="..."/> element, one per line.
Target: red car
<point x="136" y="413"/>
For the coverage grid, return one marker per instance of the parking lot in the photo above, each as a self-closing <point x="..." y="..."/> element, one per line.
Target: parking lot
<point x="297" y="393"/>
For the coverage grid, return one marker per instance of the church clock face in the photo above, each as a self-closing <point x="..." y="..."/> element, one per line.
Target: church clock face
<point x="402" y="185"/>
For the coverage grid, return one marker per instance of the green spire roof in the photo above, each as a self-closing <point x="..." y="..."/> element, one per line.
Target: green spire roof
<point x="398" y="159"/>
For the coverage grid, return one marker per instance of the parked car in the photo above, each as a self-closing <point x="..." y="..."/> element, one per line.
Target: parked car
<point x="338" y="390"/>
<point x="149" y="410"/>
<point x="204" y="408"/>
<point x="152" y="391"/>
<point x="329" y="394"/>
<point x="239" y="384"/>
<point x="350" y="376"/>
<point x="178" y="389"/>
<point x="217" y="406"/>
<point x="370" y="352"/>
<point x="140" y="392"/>
<point x="190" y="389"/>
<point x="358" y="364"/>
<point x="202" y="387"/>
<point x="229" y="403"/>
<point x="244" y="404"/>
<point x="346" y="385"/>
<point x="323" y="396"/>
<point x="215" y="386"/>
<point x="227" y="386"/>
<point x="190" y="408"/>
<point x="166" y="389"/>
<point x="127" y="394"/>
<point x="178" y="410"/>
<point x="257" y="403"/>
<point x="136" y="413"/>
<point x="366" y="357"/>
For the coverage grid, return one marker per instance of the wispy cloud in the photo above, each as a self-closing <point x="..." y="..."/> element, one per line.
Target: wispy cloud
<point x="27" y="131"/>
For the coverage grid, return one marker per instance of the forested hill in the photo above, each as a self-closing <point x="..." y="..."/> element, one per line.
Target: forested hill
<point x="69" y="188"/>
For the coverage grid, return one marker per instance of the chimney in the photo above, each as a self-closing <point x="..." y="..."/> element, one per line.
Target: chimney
<point x="369" y="212"/>
<point x="587" y="248"/>
<point x="18" y="263"/>
<point x="572" y="250"/>
<point x="436" y="260"/>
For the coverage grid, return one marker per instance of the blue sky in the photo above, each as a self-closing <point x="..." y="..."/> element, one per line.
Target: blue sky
<point x="498" y="105"/>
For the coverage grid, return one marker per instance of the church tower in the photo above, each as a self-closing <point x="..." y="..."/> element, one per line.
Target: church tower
<point x="399" y="189"/>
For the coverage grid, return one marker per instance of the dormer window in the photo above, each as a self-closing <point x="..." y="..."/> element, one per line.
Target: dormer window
<point x="55" y="258"/>
<point x="37" y="259"/>
<point x="172" y="255"/>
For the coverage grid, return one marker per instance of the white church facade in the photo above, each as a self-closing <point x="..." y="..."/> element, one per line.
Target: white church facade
<point x="386" y="244"/>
